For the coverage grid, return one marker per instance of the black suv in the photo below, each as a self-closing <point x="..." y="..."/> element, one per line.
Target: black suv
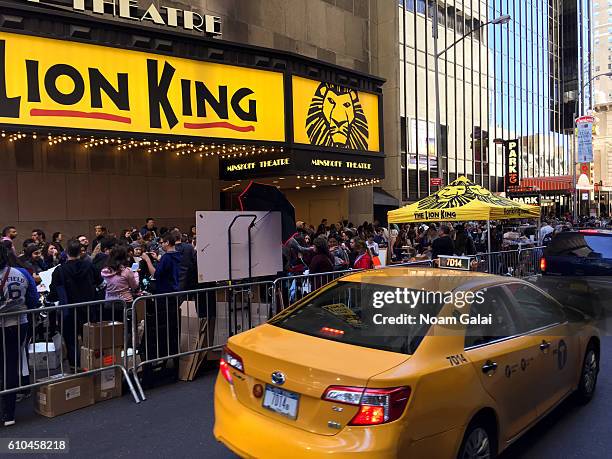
<point x="579" y="253"/>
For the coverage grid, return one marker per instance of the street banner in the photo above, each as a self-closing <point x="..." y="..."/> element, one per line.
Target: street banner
<point x="513" y="168"/>
<point x="584" y="126"/>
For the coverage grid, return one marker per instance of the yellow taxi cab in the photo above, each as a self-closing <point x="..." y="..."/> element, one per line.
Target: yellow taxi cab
<point x="320" y="380"/>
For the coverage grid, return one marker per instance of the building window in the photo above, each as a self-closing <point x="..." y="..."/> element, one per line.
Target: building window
<point x="420" y="6"/>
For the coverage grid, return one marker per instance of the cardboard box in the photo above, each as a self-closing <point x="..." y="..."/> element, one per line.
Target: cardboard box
<point x="96" y="358"/>
<point x="194" y="335"/>
<point x="107" y="384"/>
<point x="62" y="397"/>
<point x="44" y="355"/>
<point x="103" y="335"/>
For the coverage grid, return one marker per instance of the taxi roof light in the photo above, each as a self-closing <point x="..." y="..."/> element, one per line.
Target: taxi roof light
<point x="332" y="331"/>
<point x="376" y="406"/>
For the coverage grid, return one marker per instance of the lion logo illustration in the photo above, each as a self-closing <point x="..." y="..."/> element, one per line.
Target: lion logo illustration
<point x="484" y="195"/>
<point x="453" y="195"/>
<point x="459" y="193"/>
<point x="336" y="118"/>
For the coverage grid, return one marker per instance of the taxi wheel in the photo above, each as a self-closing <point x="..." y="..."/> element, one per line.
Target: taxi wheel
<point x="588" y="375"/>
<point x="478" y="443"/>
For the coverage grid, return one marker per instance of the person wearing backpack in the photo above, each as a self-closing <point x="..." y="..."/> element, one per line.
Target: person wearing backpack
<point x="76" y="281"/>
<point x="17" y="293"/>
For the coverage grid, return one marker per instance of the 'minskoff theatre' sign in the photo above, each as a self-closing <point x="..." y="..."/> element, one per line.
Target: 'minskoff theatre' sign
<point x="54" y="83"/>
<point x="148" y="13"/>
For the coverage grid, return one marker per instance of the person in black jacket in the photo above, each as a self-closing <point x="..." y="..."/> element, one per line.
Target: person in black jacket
<point x="100" y="259"/>
<point x="206" y="302"/>
<point x="188" y="268"/>
<point x="443" y="245"/>
<point x="76" y="281"/>
<point x="464" y="244"/>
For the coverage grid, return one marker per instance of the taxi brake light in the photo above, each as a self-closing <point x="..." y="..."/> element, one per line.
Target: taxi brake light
<point x="376" y="406"/>
<point x="230" y="360"/>
<point x="224" y="369"/>
<point x="369" y="415"/>
<point x="543" y="264"/>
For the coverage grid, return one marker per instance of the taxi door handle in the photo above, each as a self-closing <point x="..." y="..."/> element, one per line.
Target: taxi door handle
<point x="489" y="367"/>
<point x="544" y="346"/>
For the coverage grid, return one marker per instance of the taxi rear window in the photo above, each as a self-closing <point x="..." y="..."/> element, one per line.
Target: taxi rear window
<point x="336" y="314"/>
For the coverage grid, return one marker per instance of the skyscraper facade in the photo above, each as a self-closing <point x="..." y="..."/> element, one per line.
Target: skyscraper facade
<point x="497" y="82"/>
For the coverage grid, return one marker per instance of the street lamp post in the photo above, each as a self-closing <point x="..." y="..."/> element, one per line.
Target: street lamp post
<point x="497" y="21"/>
<point x="574" y="146"/>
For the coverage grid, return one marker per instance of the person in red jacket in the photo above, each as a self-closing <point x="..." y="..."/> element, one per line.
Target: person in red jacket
<point x="363" y="260"/>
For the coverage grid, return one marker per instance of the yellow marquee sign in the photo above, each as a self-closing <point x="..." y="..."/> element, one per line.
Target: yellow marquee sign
<point x="54" y="83"/>
<point x="330" y="115"/>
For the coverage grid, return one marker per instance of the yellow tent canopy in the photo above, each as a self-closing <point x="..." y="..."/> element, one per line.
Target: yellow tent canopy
<point x="462" y="200"/>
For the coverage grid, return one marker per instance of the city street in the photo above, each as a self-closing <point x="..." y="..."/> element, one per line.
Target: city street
<point x="177" y="421"/>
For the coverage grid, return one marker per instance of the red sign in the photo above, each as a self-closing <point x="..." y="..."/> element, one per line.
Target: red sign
<point x="585" y="119"/>
<point x="435" y="181"/>
<point x="585" y="168"/>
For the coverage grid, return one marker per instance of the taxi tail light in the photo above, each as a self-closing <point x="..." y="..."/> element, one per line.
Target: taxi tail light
<point x="543" y="264"/>
<point x="230" y="360"/>
<point x="376" y="406"/>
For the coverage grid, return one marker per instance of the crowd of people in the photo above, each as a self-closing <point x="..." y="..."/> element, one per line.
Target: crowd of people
<point x="113" y="266"/>
<point x="122" y="265"/>
<point x="343" y="246"/>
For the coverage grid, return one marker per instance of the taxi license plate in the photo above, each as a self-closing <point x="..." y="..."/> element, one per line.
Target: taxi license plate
<point x="281" y="401"/>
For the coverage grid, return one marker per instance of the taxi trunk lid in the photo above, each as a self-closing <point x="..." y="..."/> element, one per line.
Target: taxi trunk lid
<point x="309" y="366"/>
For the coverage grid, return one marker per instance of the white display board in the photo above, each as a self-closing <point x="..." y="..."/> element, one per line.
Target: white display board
<point x="213" y="250"/>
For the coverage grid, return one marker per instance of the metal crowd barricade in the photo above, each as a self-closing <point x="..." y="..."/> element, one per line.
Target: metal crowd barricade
<point x="178" y="325"/>
<point x="55" y="336"/>
<point x="515" y="263"/>
<point x="290" y="289"/>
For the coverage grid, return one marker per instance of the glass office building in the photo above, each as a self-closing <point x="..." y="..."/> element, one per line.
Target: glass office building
<point x="501" y="82"/>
